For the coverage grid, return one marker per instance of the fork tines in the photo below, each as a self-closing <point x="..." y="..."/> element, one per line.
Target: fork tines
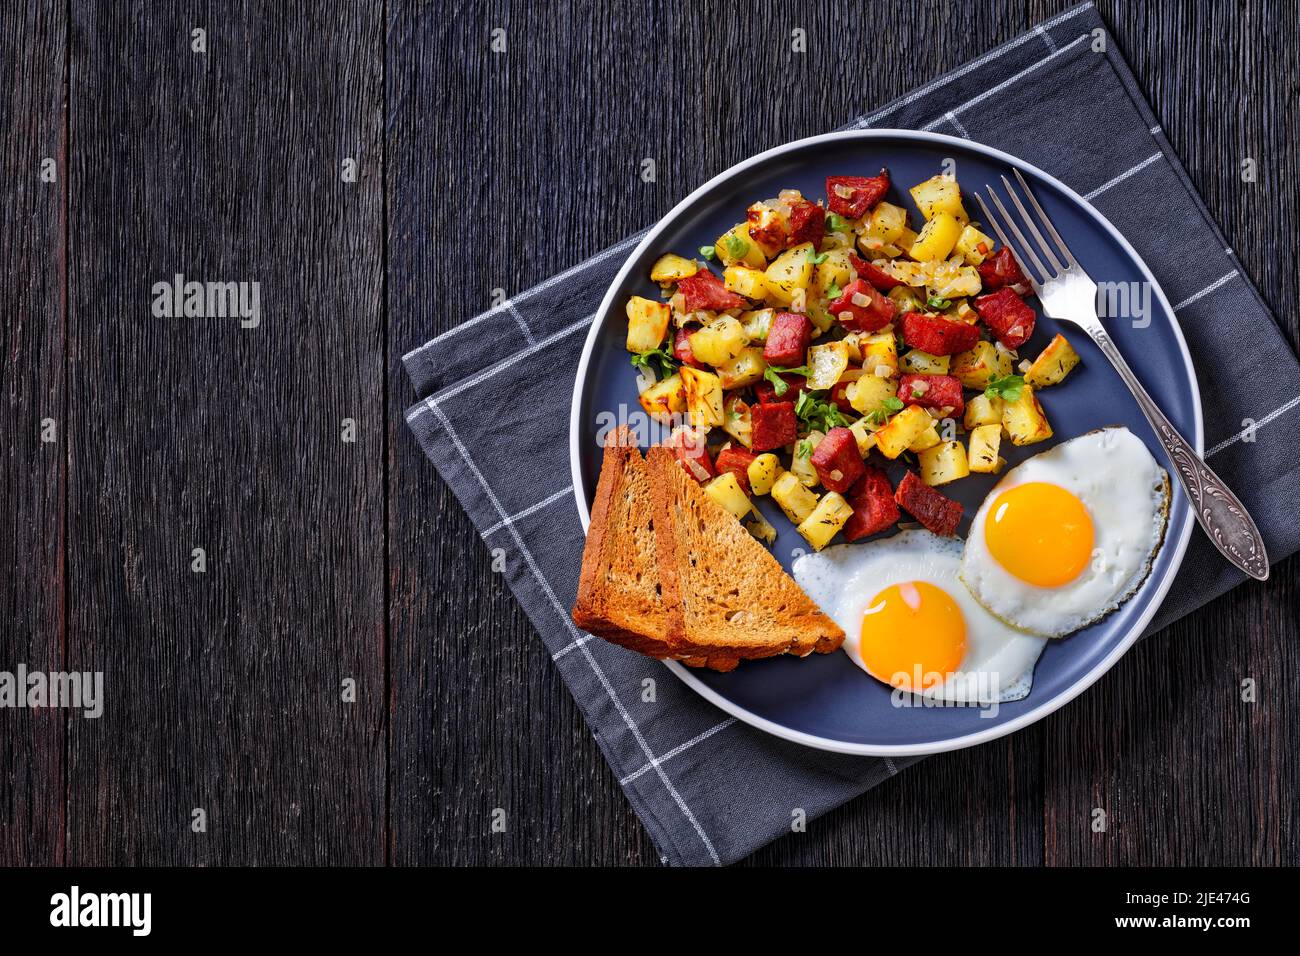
<point x="1022" y="243"/>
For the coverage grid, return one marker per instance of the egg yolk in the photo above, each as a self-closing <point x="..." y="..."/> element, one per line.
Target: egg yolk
<point x="913" y="635"/>
<point x="1041" y="533"/>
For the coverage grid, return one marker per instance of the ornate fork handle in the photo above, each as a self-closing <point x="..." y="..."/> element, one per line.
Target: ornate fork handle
<point x="1219" y="511"/>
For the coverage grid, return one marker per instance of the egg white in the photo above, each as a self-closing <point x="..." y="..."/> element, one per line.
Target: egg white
<point x="1126" y="494"/>
<point x="998" y="665"/>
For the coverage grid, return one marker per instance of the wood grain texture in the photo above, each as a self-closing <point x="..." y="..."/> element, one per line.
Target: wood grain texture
<point x="224" y="688"/>
<point x="479" y="171"/>
<point x="33" y="45"/>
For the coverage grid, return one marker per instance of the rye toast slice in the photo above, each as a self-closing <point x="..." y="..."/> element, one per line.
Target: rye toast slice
<point x="618" y="591"/>
<point x="722" y="592"/>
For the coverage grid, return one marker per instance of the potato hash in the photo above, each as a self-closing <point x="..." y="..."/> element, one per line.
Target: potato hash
<point x="834" y="333"/>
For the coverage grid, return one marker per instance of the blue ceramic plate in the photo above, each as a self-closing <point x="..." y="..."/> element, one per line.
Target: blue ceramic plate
<point x="825" y="701"/>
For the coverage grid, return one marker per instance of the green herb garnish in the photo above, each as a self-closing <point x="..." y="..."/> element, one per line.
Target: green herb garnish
<point x="773" y="374"/>
<point x="833" y="291"/>
<point x="736" y="247"/>
<point x="820" y="258"/>
<point x="818" y="413"/>
<point x="804" y="449"/>
<point x="708" y="252"/>
<point x="935" y="302"/>
<point x="836" y="223"/>
<point x="657" y="361"/>
<point x="1006" y="387"/>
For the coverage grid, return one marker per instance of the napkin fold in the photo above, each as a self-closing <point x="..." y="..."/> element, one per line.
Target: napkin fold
<point x="708" y="788"/>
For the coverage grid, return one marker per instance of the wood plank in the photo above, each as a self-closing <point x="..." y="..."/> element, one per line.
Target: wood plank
<point x="224" y="687"/>
<point x="33" y="43"/>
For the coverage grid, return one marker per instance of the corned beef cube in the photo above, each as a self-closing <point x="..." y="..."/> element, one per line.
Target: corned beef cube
<point x="1011" y="320"/>
<point x="861" y="308"/>
<point x="796" y="385"/>
<point x="774" y="425"/>
<point x="874" y="507"/>
<point x="937" y="513"/>
<point x="682" y="349"/>
<point x="787" y="340"/>
<point x="877" y="276"/>
<point x="853" y="196"/>
<point x="938" y="335"/>
<point x="807" y="223"/>
<point x="837" y="461"/>
<point x="692" y="453"/>
<point x="1001" y="269"/>
<point x="736" y="459"/>
<point x="704" y="290"/>
<point x="932" y="391"/>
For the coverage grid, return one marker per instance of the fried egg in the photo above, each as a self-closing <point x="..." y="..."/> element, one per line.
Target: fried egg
<point x="910" y="623"/>
<point x="1068" y="535"/>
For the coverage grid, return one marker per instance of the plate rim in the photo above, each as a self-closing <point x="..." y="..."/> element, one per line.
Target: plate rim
<point x="951" y="743"/>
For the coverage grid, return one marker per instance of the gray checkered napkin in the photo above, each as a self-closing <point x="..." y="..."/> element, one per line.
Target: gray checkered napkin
<point x="691" y="772"/>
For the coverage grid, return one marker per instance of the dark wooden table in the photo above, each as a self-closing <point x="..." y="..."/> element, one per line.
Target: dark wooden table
<point x="329" y="561"/>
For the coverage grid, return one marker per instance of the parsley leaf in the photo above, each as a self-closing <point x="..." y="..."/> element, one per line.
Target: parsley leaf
<point x="935" y="302"/>
<point x="1006" y="387"/>
<point x="833" y="291"/>
<point x="804" y="449"/>
<point x="773" y="374"/>
<point x="708" y="252"/>
<point x="887" y="407"/>
<point x="820" y="258"/>
<point x="893" y="404"/>
<point x="816" y="413"/>
<point x="736" y="247"/>
<point x="836" y="223"/>
<point x="657" y="361"/>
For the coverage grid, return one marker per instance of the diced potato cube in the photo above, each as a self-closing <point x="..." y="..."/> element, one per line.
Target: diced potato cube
<point x="703" y="396"/>
<point x="985" y="440"/>
<point x="738" y="421"/>
<point x="826" y="363"/>
<point x="647" y="323"/>
<point x="923" y="363"/>
<point x="795" y="500"/>
<point x="943" y="463"/>
<point x="887" y="224"/>
<point x="853" y="341"/>
<point x="818" y="316"/>
<point x="868" y="394"/>
<point x="914" y="274"/>
<point x="789" y="271"/>
<point x="672" y="268"/>
<point x="1024" y="419"/>
<point x="720" y="341"/>
<point x="825" y="520"/>
<point x="939" y="195"/>
<point x="864" y="434"/>
<point x="751" y="283"/>
<point x="901" y="430"/>
<point x="879" y="351"/>
<point x="770" y="220"/>
<point x="726" y="491"/>
<point x="745" y="369"/>
<point x="761" y="528"/>
<point x="834" y="270"/>
<point x="736" y="246"/>
<point x="980" y="365"/>
<point x="970" y="243"/>
<point x="757" y="323"/>
<point x="927" y="439"/>
<point x="937" y="238"/>
<point x="904" y="243"/>
<point x="905" y="300"/>
<point x="763" y="472"/>
<point x="664" y="398"/>
<point x="1053" y="364"/>
<point x="801" y="461"/>
<point x="982" y="410"/>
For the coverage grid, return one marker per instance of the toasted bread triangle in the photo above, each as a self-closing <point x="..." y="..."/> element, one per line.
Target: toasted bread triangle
<point x="721" y="590"/>
<point x="618" y="592"/>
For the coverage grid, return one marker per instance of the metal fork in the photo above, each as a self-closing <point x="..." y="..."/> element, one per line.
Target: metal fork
<point x="1069" y="294"/>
